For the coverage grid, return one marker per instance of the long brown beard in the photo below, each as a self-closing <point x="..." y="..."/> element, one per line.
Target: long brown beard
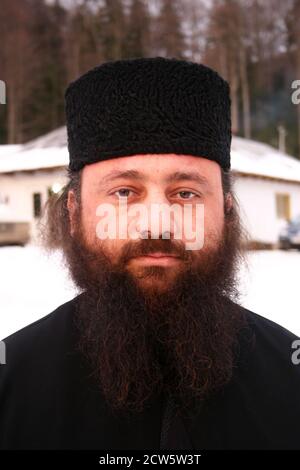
<point x="138" y="344"/>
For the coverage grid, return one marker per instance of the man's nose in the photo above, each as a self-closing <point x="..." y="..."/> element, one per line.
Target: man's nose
<point x="156" y="221"/>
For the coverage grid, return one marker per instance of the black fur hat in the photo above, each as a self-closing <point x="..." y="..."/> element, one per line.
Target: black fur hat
<point x="148" y="105"/>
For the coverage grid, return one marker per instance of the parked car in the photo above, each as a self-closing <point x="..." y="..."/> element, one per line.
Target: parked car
<point x="289" y="236"/>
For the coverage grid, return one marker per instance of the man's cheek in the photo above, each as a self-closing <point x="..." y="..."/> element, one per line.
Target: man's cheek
<point x="112" y="248"/>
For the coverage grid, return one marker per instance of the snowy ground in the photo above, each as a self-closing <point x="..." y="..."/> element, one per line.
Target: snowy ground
<point x="33" y="284"/>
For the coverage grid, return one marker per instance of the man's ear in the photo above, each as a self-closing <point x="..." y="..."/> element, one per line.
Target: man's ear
<point x="228" y="203"/>
<point x="71" y="205"/>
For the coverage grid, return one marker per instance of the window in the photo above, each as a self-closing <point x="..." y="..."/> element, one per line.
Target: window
<point x="37" y="204"/>
<point x="283" y="206"/>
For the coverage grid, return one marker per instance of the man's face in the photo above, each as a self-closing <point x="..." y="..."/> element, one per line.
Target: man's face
<point x="153" y="181"/>
<point x="155" y="316"/>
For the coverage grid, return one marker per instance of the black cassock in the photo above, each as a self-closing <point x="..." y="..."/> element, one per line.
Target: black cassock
<point x="49" y="401"/>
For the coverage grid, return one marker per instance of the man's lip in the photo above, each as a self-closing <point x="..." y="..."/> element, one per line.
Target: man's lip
<point x="157" y="259"/>
<point x="160" y="255"/>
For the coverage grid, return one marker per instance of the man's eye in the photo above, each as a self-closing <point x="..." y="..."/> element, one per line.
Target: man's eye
<point x="123" y="192"/>
<point x="186" y="194"/>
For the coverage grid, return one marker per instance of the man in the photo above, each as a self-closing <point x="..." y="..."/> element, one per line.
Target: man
<point x="155" y="352"/>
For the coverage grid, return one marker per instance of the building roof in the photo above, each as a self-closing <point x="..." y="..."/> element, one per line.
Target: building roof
<point x="256" y="158"/>
<point x="48" y="151"/>
<point x="7" y="149"/>
<point x="248" y="157"/>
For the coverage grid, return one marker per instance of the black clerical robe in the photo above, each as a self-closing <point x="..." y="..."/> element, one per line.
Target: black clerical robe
<point x="48" y="400"/>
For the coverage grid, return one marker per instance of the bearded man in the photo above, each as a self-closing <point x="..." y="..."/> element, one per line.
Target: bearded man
<point x="156" y="351"/>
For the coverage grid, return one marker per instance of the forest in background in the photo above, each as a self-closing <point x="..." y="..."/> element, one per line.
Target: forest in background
<point x="253" y="44"/>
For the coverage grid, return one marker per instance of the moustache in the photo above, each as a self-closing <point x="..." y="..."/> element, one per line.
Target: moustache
<point x="151" y="246"/>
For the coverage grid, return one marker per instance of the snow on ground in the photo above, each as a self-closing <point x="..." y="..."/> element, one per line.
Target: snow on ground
<point x="270" y="286"/>
<point x="33" y="284"/>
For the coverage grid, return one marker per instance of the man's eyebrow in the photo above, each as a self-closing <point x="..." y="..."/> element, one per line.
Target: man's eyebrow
<point x="190" y="176"/>
<point x="122" y="174"/>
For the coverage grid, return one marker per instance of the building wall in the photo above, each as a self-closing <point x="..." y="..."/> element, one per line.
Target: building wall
<point x="257" y="199"/>
<point x="19" y="189"/>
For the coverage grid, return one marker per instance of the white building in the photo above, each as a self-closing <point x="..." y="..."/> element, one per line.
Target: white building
<point x="267" y="187"/>
<point x="267" y="183"/>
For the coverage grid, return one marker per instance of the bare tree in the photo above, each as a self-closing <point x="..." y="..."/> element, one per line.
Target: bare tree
<point x="293" y="22"/>
<point x="16" y="54"/>
<point x="227" y="51"/>
<point x="138" y="30"/>
<point x="169" y="36"/>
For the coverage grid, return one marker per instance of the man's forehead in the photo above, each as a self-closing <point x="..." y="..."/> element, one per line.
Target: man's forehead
<point x="166" y="167"/>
